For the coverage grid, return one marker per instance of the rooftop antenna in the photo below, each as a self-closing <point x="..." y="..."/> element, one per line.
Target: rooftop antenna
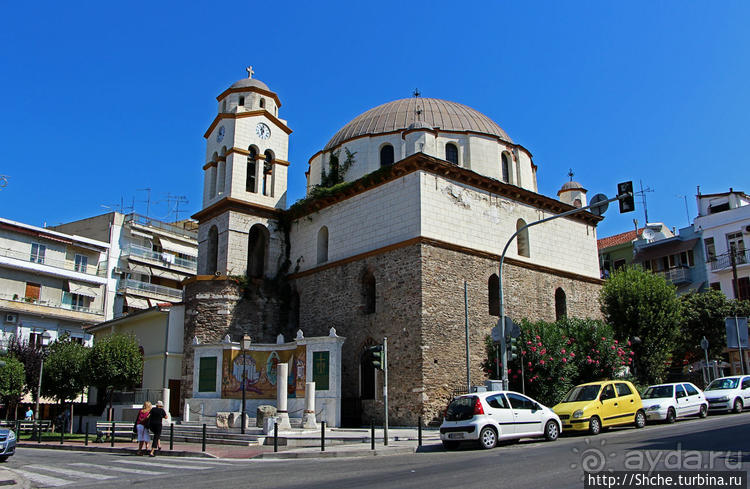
<point x="642" y="194"/>
<point x="121" y="207"/>
<point x="177" y="199"/>
<point x="148" y="198"/>
<point x="687" y="212"/>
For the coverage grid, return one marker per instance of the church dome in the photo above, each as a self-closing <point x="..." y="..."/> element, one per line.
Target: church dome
<point x="250" y="83"/>
<point x="571" y="185"/>
<point x="401" y="114"/>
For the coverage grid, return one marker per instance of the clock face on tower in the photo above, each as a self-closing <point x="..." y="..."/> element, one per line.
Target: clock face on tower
<point x="263" y="131"/>
<point x="220" y="134"/>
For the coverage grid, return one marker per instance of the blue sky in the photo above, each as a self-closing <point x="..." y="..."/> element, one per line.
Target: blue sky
<point x="101" y="99"/>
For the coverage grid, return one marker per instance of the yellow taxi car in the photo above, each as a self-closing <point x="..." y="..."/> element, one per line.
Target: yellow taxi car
<point x="598" y="405"/>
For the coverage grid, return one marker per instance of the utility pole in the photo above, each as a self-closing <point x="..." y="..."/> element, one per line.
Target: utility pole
<point x="385" y="389"/>
<point x="466" y="326"/>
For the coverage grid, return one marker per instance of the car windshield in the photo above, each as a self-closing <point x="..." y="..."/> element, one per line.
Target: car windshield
<point x="722" y="384"/>
<point x="582" y="393"/>
<point x="461" y="408"/>
<point x="658" y="392"/>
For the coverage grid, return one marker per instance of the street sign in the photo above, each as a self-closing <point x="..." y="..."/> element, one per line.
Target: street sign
<point x="599" y="204"/>
<point x="704" y="343"/>
<point x="496" y="334"/>
<point x="512" y="329"/>
<point x="735" y="328"/>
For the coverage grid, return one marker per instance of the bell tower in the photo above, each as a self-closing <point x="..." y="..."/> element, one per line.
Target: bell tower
<point x="244" y="182"/>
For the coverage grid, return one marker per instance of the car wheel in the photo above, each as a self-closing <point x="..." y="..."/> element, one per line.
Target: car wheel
<point x="3" y="458"/>
<point x="670" y="415"/>
<point x="487" y="438"/>
<point x="640" y="419"/>
<point x="704" y="411"/>
<point x="450" y="445"/>
<point x="595" y="426"/>
<point x="551" y="430"/>
<point x="738" y="406"/>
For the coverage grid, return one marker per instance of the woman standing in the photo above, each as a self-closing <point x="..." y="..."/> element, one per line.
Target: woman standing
<point x="155" y="418"/>
<point x="141" y="426"/>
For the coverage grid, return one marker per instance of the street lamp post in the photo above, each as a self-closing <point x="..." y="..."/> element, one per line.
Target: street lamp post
<point x="246" y="340"/>
<point x="46" y="337"/>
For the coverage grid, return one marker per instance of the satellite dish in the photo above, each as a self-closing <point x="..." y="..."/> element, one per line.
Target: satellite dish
<point x="599" y="204"/>
<point x="648" y="234"/>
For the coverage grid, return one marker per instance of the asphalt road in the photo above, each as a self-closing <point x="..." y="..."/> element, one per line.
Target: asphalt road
<point x="719" y="442"/>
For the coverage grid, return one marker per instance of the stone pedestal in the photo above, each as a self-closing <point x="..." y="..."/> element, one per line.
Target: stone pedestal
<point x="282" y="375"/>
<point x="308" y="418"/>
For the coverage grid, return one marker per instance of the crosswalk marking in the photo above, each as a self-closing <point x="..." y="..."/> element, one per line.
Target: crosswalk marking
<point x="199" y="461"/>
<point x="128" y="470"/>
<point x="43" y="480"/>
<point x="156" y="464"/>
<point x="73" y="473"/>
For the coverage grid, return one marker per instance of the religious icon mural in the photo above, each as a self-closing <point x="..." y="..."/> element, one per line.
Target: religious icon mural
<point x="260" y="369"/>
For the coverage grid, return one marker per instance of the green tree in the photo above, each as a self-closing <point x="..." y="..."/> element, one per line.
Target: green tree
<point x="31" y="358"/>
<point x="638" y="303"/>
<point x="12" y="382"/>
<point x="703" y="314"/>
<point x="65" y="370"/>
<point x="115" y="363"/>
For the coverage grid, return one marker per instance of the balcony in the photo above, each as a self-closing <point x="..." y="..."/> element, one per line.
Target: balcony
<point x="677" y="275"/>
<point x="724" y="262"/>
<point x="147" y="288"/>
<point x="147" y="222"/>
<point x="168" y="260"/>
<point x="15" y="303"/>
<point x="25" y="256"/>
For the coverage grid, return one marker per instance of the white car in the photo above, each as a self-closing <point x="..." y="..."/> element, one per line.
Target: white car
<point x="729" y="393"/>
<point x="667" y="402"/>
<point x="489" y="417"/>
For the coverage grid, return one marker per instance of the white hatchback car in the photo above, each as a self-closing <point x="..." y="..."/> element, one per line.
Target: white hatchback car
<point x="667" y="402"/>
<point x="488" y="417"/>
<point x="729" y="393"/>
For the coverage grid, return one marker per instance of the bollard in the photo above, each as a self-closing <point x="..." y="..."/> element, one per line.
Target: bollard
<point x="372" y="434"/>
<point x="419" y="431"/>
<point x="39" y="432"/>
<point x="18" y="429"/>
<point x="112" y="435"/>
<point x="204" y="438"/>
<point x="275" y="436"/>
<point x="62" y="436"/>
<point x="171" y="436"/>
<point x="322" y="436"/>
<point x="86" y="437"/>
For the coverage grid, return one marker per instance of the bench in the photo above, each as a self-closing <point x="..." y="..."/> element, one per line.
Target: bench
<point x="44" y="425"/>
<point x="122" y="429"/>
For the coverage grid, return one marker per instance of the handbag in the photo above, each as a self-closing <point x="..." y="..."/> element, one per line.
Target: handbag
<point x="135" y="427"/>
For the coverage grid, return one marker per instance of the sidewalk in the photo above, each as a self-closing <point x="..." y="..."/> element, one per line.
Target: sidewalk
<point x="339" y="443"/>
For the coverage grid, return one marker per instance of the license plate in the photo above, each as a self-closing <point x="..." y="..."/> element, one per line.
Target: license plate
<point x="455" y="436"/>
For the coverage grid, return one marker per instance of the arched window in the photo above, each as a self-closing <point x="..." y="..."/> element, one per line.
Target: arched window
<point x="386" y="155"/>
<point x="221" y="169"/>
<point x="323" y="245"/>
<point x="262" y="103"/>
<point x="493" y="295"/>
<point x="522" y="239"/>
<point x="257" y="243"/>
<point x="242" y="101"/>
<point x="268" y="174"/>
<point x="212" y="251"/>
<point x="224" y="105"/>
<point x="506" y="168"/>
<point x="561" y="304"/>
<point x="451" y="153"/>
<point x="368" y="292"/>
<point x="252" y="162"/>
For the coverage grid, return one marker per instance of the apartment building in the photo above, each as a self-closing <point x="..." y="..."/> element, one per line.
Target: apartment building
<point x="51" y="283"/>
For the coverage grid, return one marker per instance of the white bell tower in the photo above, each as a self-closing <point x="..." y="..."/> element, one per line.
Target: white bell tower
<point x="244" y="182"/>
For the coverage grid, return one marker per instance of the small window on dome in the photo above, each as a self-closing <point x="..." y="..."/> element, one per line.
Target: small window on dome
<point x="386" y="155"/>
<point x="451" y="153"/>
<point x="224" y="106"/>
<point x="262" y="103"/>
<point x="242" y="101"/>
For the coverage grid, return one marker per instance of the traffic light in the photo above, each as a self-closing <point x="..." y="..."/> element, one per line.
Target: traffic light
<point x="513" y="348"/>
<point x="625" y="197"/>
<point x="375" y="355"/>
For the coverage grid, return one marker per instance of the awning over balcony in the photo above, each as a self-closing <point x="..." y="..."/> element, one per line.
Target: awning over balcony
<point x="659" y="249"/>
<point x="141" y="234"/>
<point x="137" y="302"/>
<point x="83" y="289"/>
<point x="134" y="267"/>
<point x="176" y="247"/>
<point x="157" y="272"/>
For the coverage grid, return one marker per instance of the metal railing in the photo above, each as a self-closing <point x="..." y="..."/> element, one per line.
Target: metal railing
<point x="137" y="396"/>
<point x="166" y="259"/>
<point x="51" y="262"/>
<point x="155" y="223"/>
<point x="51" y="303"/>
<point x="147" y="287"/>
<point x="741" y="257"/>
<point x="677" y="275"/>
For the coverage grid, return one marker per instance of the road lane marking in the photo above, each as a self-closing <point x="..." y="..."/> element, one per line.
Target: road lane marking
<point x="73" y="473"/>
<point x="44" y="480"/>
<point x="128" y="470"/>
<point x="156" y="464"/>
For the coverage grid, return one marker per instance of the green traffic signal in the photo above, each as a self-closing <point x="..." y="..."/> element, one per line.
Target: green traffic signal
<point x="513" y="349"/>
<point x="376" y="357"/>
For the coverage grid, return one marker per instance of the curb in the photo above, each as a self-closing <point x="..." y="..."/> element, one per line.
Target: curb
<point x="130" y="451"/>
<point x="350" y="453"/>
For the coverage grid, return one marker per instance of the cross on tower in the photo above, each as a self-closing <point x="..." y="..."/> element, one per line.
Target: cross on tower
<point x="250" y="71"/>
<point x="416" y="92"/>
<point x="570" y="174"/>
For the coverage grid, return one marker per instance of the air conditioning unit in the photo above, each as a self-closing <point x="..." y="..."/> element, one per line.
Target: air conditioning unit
<point x="747" y="228"/>
<point x="11" y="318"/>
